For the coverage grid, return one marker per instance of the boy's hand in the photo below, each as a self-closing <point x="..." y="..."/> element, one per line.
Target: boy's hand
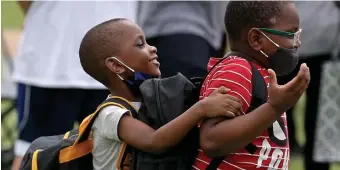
<point x="221" y="104"/>
<point x="286" y="96"/>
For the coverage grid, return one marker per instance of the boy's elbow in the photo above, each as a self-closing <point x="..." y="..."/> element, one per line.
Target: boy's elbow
<point x="213" y="148"/>
<point x="156" y="148"/>
<point x="210" y="147"/>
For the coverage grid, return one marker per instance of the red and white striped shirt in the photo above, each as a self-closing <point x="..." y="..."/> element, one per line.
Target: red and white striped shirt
<point x="272" y="145"/>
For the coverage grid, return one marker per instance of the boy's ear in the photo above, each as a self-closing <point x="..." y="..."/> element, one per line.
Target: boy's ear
<point x="114" y="66"/>
<point x="255" y="39"/>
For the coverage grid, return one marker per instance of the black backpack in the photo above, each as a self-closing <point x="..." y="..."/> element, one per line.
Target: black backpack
<point x="164" y="100"/>
<point x="70" y="151"/>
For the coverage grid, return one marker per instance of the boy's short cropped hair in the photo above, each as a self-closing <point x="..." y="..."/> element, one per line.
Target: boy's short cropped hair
<point x="99" y="43"/>
<point x="243" y="15"/>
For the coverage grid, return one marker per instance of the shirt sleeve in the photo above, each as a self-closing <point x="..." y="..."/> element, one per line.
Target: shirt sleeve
<point x="235" y="75"/>
<point x="107" y="122"/>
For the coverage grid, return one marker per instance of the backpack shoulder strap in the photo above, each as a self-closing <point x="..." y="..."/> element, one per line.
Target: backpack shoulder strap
<point x="259" y="89"/>
<point x="259" y="97"/>
<point x="86" y="125"/>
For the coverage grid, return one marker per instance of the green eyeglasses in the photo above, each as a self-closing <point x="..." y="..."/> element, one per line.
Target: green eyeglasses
<point x="291" y="35"/>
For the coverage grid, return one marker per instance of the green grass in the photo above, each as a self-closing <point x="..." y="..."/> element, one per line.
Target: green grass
<point x="8" y="124"/>
<point x="12" y="18"/>
<point x="11" y="15"/>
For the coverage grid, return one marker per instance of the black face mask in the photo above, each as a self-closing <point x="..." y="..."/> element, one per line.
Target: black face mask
<point x="283" y="61"/>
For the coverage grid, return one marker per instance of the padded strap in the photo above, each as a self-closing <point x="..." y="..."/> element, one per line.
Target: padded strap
<point x="259" y="89"/>
<point x="215" y="163"/>
<point x="84" y="132"/>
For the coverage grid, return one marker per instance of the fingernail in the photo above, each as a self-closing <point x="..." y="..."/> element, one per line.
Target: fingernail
<point x="231" y="113"/>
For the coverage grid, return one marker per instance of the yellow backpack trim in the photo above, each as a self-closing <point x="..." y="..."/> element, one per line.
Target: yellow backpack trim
<point x="73" y="152"/>
<point x="35" y="159"/>
<point x="67" y="134"/>
<point x="80" y="149"/>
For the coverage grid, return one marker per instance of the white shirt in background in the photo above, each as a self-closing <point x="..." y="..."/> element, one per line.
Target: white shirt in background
<point x="53" y="30"/>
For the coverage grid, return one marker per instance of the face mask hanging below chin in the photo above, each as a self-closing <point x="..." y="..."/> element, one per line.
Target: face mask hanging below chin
<point x="133" y="82"/>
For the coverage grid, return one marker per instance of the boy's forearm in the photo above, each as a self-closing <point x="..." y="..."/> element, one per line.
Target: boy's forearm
<point x="143" y="137"/>
<point x="220" y="139"/>
<point x="173" y="132"/>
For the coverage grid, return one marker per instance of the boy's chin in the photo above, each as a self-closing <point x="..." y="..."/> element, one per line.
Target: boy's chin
<point x="156" y="73"/>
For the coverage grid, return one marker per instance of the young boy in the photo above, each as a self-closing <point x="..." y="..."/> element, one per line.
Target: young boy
<point x="267" y="35"/>
<point x="115" y="53"/>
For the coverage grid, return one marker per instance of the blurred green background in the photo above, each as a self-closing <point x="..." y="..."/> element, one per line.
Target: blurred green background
<point x="12" y="18"/>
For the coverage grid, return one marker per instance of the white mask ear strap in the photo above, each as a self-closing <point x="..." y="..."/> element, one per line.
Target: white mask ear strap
<point x="123" y="64"/>
<point x="120" y="77"/>
<point x="277" y="45"/>
<point x="264" y="53"/>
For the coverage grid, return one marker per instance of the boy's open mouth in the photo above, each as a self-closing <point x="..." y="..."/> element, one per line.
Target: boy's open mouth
<point x="154" y="61"/>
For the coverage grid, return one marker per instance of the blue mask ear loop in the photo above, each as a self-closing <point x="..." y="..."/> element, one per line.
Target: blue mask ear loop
<point x="123" y="65"/>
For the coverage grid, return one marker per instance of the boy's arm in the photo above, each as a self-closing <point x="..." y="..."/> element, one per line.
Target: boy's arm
<point x="237" y="132"/>
<point x="221" y="137"/>
<point x="143" y="137"/>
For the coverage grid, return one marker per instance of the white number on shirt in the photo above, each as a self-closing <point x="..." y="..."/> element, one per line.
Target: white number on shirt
<point x="276" y="156"/>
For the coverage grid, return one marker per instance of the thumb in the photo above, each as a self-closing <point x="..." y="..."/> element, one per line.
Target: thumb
<point x="273" y="79"/>
<point x="220" y="90"/>
<point x="223" y="90"/>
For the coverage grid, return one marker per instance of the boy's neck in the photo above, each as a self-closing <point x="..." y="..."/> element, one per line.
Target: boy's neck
<point x="249" y="53"/>
<point x="124" y="92"/>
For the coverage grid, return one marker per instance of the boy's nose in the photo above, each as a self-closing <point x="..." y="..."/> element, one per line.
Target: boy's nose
<point x="153" y="49"/>
<point x="297" y="44"/>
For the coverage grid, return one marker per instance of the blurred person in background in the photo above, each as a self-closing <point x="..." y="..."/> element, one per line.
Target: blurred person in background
<point x="319" y="21"/>
<point x="185" y="33"/>
<point x="53" y="90"/>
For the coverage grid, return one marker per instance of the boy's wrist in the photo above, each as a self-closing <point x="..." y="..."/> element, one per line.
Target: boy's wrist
<point x="199" y="108"/>
<point x="274" y="109"/>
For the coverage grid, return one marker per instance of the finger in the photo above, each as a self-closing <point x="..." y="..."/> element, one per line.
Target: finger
<point x="302" y="73"/>
<point x="273" y="79"/>
<point x="233" y="98"/>
<point x="230" y="114"/>
<point x="301" y="88"/>
<point x="220" y="90"/>
<point x="239" y="110"/>
<point x="298" y="80"/>
<point x="223" y="90"/>
<point x="239" y="113"/>
<point x="234" y="104"/>
<point x="305" y="83"/>
<point x="233" y="109"/>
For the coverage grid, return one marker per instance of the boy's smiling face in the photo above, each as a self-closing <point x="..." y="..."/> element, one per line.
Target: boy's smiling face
<point x="134" y="52"/>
